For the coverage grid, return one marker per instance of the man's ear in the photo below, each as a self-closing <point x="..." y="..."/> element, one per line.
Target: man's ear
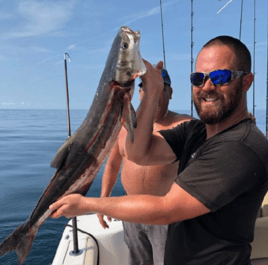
<point x="247" y="81"/>
<point x="170" y="92"/>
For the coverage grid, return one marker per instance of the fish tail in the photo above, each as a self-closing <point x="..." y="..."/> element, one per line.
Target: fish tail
<point x="21" y="240"/>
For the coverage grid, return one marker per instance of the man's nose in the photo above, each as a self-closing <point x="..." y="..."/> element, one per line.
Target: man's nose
<point x="208" y="85"/>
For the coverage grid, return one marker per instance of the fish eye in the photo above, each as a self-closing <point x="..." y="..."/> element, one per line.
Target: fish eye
<point x="125" y="46"/>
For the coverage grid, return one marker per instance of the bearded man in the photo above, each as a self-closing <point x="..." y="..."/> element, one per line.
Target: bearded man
<point x="213" y="203"/>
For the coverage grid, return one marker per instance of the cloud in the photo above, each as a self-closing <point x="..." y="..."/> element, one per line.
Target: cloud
<point x="39" y="18"/>
<point x="180" y="56"/>
<point x="37" y="49"/>
<point x="147" y="13"/>
<point x="7" y="103"/>
<point x="3" y="58"/>
<point x="73" y="46"/>
<point x="5" y="16"/>
<point x="47" y="59"/>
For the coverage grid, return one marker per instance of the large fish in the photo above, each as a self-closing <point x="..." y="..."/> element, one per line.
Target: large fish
<point x="80" y="157"/>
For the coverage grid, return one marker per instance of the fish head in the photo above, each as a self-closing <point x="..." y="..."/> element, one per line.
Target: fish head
<point x="129" y="63"/>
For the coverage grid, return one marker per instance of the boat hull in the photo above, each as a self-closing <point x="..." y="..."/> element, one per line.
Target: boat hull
<point x="110" y="243"/>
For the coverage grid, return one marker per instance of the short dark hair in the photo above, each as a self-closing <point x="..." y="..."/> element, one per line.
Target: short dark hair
<point x="239" y="48"/>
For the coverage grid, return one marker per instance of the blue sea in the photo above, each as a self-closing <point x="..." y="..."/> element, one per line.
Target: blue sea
<point x="29" y="139"/>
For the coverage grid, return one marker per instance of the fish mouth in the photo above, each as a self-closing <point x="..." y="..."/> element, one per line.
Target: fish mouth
<point x="129" y="30"/>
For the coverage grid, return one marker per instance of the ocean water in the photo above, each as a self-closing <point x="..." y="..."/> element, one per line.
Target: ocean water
<point x="29" y="140"/>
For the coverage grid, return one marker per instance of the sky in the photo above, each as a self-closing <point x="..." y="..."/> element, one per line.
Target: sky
<point x="35" y="35"/>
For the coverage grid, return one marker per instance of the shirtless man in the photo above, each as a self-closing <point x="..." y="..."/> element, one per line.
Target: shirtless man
<point x="146" y="243"/>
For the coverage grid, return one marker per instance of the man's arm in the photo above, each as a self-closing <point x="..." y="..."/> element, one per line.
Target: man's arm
<point x="110" y="176"/>
<point x="149" y="148"/>
<point x="177" y="205"/>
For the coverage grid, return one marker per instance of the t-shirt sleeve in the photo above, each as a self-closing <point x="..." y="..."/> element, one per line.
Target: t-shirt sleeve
<point x="176" y="137"/>
<point x="221" y="173"/>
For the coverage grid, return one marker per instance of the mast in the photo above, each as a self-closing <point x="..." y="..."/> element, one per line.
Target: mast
<point x="192" y="47"/>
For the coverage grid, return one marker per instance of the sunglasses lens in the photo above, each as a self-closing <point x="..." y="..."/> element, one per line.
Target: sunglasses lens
<point x="221" y="77"/>
<point x="165" y="76"/>
<point x="197" y="79"/>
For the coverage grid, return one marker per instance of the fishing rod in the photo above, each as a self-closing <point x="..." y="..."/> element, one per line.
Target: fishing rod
<point x="254" y="44"/>
<point x="67" y="93"/>
<point x="267" y="84"/>
<point x="162" y="25"/>
<point x="240" y="30"/>
<point x="74" y="219"/>
<point x="192" y="58"/>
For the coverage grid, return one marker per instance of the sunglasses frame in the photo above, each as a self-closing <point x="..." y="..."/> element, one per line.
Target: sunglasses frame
<point x="234" y="75"/>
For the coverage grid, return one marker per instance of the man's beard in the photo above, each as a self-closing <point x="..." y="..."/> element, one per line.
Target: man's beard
<point x="222" y="108"/>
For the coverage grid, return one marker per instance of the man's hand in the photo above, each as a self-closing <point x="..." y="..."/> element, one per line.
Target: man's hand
<point x="252" y="117"/>
<point x="152" y="80"/>
<point x="103" y="222"/>
<point x="69" y="206"/>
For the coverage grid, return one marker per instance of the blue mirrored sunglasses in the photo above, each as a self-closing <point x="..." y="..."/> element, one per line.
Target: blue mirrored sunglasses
<point x="217" y="77"/>
<point x="165" y="76"/>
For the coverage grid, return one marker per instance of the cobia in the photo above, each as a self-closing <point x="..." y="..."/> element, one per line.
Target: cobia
<point x="80" y="157"/>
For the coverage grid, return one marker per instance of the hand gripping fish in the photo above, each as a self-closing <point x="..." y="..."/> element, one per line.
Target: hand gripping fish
<point x="80" y="157"/>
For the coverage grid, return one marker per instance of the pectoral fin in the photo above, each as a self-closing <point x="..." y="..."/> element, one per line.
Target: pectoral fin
<point x="61" y="154"/>
<point x="129" y="119"/>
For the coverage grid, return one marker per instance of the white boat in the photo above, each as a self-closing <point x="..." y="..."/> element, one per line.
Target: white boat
<point x="93" y="242"/>
<point x="108" y="244"/>
<point x="259" y="254"/>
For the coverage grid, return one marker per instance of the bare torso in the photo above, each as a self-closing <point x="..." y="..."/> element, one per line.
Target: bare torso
<point x="153" y="180"/>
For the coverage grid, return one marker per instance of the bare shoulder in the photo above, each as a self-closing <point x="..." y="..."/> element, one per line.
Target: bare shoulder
<point x="175" y="119"/>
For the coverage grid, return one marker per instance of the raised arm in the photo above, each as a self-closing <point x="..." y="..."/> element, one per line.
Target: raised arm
<point x="149" y="148"/>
